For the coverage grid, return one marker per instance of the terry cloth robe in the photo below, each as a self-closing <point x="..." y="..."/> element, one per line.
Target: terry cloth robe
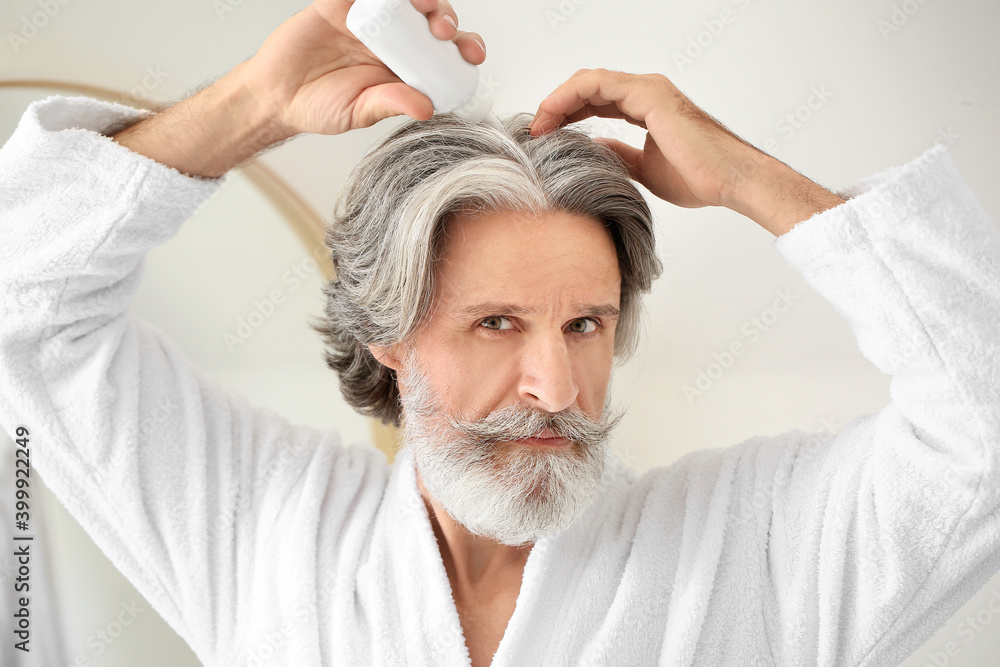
<point x="264" y="542"/>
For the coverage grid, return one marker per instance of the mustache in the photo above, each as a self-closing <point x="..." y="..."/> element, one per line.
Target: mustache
<point x="516" y="422"/>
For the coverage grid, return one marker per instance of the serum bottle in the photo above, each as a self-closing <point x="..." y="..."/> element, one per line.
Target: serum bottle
<point x="399" y="36"/>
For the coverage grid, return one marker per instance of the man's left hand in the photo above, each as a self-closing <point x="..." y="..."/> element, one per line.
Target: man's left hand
<point x="689" y="158"/>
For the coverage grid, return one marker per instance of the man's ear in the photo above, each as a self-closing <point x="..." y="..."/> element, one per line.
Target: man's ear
<point x="388" y="356"/>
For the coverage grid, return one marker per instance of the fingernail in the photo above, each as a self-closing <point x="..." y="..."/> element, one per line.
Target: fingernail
<point x="450" y="21"/>
<point x="481" y="45"/>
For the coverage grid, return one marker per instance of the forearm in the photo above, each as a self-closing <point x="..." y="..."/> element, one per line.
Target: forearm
<point x="777" y="197"/>
<point x="208" y="134"/>
<point x="79" y="212"/>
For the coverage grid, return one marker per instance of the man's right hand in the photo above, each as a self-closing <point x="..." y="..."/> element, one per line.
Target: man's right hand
<point x="311" y="75"/>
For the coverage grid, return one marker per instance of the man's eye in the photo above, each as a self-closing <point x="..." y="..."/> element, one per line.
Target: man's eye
<point x="496" y="322"/>
<point x="585" y="326"/>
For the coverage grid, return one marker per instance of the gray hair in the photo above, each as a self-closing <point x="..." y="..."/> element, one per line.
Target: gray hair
<point x="387" y="231"/>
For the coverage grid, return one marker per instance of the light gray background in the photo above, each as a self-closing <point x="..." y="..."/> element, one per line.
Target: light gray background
<point x="896" y="77"/>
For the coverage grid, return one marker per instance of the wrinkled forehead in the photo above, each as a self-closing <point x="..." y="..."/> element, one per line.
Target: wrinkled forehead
<point x="546" y="259"/>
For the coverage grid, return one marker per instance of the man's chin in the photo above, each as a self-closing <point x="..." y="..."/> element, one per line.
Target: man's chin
<point x="514" y="508"/>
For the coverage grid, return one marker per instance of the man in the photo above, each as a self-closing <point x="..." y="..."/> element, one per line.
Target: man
<point x="488" y="289"/>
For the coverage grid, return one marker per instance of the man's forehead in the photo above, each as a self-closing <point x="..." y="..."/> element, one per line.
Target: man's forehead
<point x="499" y="232"/>
<point x="528" y="261"/>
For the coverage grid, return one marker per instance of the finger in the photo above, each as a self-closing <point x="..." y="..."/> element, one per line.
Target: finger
<point x="425" y="6"/>
<point x="602" y="111"/>
<point x="633" y="95"/>
<point x="443" y="25"/>
<point x="441" y="17"/>
<point x="571" y="101"/>
<point x="537" y="125"/>
<point x="631" y="156"/>
<point x="390" y="99"/>
<point x="471" y="46"/>
<point x="445" y="7"/>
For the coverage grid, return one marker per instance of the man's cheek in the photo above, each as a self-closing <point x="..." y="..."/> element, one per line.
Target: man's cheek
<point x="481" y="383"/>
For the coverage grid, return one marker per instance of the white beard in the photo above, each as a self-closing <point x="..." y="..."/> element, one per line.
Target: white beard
<point x="504" y="492"/>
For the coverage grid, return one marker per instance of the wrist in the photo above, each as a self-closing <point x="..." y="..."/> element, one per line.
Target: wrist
<point x="777" y="197"/>
<point x="210" y="133"/>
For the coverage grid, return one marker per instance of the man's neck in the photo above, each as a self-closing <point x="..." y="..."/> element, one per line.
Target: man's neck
<point x="472" y="562"/>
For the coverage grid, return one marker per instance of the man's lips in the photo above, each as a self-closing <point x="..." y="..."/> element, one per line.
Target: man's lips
<point x="546" y="438"/>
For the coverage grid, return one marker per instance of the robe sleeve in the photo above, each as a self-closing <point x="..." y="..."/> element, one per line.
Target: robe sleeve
<point x="177" y="479"/>
<point x="881" y="532"/>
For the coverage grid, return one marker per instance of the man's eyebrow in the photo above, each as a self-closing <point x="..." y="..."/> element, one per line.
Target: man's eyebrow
<point x="498" y="308"/>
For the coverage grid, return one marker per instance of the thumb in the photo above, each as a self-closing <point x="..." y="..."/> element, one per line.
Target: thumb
<point x="631" y="156"/>
<point x="391" y="99"/>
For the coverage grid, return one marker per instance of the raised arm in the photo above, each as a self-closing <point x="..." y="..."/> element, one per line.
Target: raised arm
<point x="874" y="536"/>
<point x="311" y="75"/>
<point x="199" y="498"/>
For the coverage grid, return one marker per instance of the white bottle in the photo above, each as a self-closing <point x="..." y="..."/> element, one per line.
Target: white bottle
<point x="399" y="36"/>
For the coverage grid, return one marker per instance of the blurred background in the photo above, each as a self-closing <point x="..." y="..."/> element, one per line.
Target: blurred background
<point x="837" y="91"/>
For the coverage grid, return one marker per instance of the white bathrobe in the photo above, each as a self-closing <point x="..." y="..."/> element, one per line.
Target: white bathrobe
<point x="266" y="543"/>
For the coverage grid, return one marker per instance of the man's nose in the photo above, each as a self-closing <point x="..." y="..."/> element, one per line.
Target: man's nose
<point x="547" y="381"/>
